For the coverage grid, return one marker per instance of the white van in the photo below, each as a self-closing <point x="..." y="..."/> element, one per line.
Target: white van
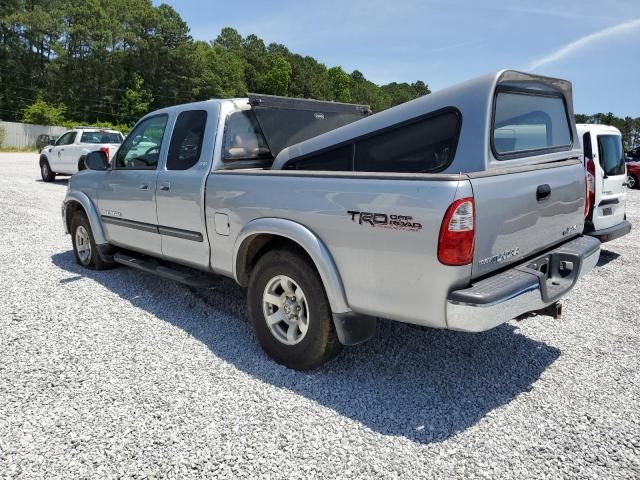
<point x="606" y="180"/>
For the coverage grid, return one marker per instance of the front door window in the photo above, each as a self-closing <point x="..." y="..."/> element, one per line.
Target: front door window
<point x="141" y="149"/>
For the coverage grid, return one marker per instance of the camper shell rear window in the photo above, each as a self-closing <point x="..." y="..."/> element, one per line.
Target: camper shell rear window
<point x="528" y="123"/>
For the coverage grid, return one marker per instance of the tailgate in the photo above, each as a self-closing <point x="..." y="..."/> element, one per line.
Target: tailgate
<point x="521" y="213"/>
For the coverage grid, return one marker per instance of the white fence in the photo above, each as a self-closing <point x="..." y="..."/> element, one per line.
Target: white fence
<point x="22" y="135"/>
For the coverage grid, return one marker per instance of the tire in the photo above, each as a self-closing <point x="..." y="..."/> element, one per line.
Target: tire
<point x="45" y="171"/>
<point x="292" y="348"/>
<point x="81" y="164"/>
<point x="632" y="181"/>
<point x="84" y="245"/>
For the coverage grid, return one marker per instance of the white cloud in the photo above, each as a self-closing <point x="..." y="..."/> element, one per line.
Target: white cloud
<point x="585" y="41"/>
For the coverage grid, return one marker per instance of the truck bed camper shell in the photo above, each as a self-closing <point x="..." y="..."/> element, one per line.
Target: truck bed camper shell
<point x="466" y="108"/>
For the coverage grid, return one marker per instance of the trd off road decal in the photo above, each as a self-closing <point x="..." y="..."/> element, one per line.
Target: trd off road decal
<point x="383" y="220"/>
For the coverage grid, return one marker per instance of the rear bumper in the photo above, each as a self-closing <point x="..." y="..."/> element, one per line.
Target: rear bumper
<point x="611" y="233"/>
<point x="523" y="288"/>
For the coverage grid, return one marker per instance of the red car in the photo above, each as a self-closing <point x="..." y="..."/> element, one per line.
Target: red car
<point x="633" y="174"/>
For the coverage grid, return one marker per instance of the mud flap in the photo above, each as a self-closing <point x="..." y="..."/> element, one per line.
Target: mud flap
<point x="353" y="329"/>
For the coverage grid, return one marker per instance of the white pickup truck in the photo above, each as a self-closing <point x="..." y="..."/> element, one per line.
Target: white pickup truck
<point x="67" y="155"/>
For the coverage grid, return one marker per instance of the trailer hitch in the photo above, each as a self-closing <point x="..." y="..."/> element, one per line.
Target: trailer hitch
<point x="554" y="310"/>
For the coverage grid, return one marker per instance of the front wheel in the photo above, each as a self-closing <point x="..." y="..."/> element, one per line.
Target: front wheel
<point x="290" y="311"/>
<point x="632" y="181"/>
<point x="46" y="173"/>
<point x="84" y="245"/>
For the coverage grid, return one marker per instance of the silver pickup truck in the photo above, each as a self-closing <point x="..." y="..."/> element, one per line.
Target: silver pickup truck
<point x="462" y="209"/>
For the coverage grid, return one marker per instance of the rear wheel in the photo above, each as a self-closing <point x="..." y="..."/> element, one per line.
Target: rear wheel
<point x="632" y="181"/>
<point x="290" y="311"/>
<point x="45" y="171"/>
<point x="84" y="245"/>
<point x="81" y="163"/>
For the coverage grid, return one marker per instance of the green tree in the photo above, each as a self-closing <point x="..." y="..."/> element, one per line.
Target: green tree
<point x="229" y="39"/>
<point x="215" y="72"/>
<point x="309" y="78"/>
<point x="365" y="92"/>
<point x="276" y="80"/>
<point x="254" y="55"/>
<point x="339" y="82"/>
<point x="420" y="88"/>
<point x="112" y="60"/>
<point x="42" y="113"/>
<point x="135" y="103"/>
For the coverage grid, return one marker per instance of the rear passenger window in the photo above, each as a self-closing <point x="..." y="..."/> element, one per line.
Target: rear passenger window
<point x="527" y="122"/>
<point x="186" y="140"/>
<point x="424" y="146"/>
<point x="67" y="139"/>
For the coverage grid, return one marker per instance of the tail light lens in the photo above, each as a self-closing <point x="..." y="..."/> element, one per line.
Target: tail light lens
<point x="457" y="233"/>
<point x="591" y="186"/>
<point x="106" y="152"/>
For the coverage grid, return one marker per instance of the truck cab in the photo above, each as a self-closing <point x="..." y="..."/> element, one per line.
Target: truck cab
<point x="604" y="161"/>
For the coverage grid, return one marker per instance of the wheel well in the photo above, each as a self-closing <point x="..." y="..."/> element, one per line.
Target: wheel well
<point x="256" y="246"/>
<point x="72" y="208"/>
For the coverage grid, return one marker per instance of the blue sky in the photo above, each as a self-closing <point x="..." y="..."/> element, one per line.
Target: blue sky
<point x="593" y="43"/>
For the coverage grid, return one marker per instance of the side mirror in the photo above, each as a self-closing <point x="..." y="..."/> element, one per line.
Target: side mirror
<point x="52" y="141"/>
<point x="96" y="160"/>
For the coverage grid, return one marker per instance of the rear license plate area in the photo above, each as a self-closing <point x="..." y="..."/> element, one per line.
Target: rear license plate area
<point x="606" y="211"/>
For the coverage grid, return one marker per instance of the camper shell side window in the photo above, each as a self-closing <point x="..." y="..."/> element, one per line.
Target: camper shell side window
<point x="423" y="145"/>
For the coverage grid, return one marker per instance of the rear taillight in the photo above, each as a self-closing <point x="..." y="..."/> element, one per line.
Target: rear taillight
<point x="457" y="233"/>
<point x="106" y="152"/>
<point x="590" y="180"/>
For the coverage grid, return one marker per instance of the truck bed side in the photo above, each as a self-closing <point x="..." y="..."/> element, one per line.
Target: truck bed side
<point x="382" y="231"/>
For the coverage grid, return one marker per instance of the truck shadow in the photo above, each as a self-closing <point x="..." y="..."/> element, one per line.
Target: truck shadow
<point x="606" y="256"/>
<point x="423" y="384"/>
<point x="58" y="181"/>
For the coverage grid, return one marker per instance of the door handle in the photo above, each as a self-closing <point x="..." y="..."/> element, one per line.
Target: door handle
<point x="543" y="192"/>
<point x="165" y="187"/>
<point x="144" y="186"/>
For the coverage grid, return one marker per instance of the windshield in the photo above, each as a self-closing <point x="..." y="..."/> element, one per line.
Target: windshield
<point x="101" y="137"/>
<point x="611" y="154"/>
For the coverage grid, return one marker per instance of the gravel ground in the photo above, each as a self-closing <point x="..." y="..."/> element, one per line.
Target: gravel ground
<point x="121" y="374"/>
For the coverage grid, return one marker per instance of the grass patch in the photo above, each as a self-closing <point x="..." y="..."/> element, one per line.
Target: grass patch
<point x="18" y="150"/>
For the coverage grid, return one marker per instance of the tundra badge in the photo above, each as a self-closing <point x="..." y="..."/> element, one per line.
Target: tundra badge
<point x="500" y="257"/>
